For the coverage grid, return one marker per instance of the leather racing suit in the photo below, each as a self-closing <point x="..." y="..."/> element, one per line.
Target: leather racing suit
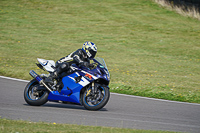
<point x="78" y="57"/>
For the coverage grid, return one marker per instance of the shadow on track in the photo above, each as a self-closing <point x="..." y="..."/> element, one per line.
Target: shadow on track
<point x="66" y="106"/>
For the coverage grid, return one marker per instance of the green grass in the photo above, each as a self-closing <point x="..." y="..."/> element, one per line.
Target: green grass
<point x="150" y="51"/>
<point x="13" y="126"/>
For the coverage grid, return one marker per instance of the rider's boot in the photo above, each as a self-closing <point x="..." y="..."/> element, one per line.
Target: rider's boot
<point x="51" y="78"/>
<point x="60" y="68"/>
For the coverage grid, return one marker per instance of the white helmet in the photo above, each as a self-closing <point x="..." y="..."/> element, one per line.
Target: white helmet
<point x="90" y="49"/>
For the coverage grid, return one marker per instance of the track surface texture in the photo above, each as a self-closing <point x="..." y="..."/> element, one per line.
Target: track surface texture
<point x="122" y="111"/>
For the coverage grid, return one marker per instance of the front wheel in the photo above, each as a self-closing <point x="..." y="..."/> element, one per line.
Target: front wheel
<point x="95" y="101"/>
<point x="34" y="97"/>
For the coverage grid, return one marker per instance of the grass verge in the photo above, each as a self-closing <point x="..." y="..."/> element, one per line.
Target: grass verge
<point x="13" y="126"/>
<point x="150" y="51"/>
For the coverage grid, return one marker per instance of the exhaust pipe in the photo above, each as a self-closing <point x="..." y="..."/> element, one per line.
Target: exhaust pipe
<point x="39" y="79"/>
<point x="35" y="75"/>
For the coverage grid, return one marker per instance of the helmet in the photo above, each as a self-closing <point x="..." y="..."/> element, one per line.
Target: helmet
<point x="90" y="49"/>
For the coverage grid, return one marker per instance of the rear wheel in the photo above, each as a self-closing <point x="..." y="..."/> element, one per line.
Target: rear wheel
<point x="95" y="101"/>
<point x="34" y="97"/>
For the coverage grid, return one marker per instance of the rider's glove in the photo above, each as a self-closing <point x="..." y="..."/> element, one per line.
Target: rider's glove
<point x="86" y="64"/>
<point x="91" y="65"/>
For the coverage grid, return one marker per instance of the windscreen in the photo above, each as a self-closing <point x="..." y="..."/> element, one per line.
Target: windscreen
<point x="101" y="61"/>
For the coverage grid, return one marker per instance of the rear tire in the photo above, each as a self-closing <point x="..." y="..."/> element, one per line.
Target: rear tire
<point x="37" y="99"/>
<point x="98" y="101"/>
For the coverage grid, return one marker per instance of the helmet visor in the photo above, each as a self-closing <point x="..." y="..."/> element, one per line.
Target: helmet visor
<point x="92" y="53"/>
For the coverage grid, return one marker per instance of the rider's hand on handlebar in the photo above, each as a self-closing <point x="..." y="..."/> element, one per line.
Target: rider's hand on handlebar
<point x="86" y="64"/>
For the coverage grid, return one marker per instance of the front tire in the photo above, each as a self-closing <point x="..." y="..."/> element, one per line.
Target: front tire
<point x="97" y="101"/>
<point x="34" y="97"/>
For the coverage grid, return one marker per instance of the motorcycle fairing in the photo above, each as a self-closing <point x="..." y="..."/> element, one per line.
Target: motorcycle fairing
<point x="71" y="90"/>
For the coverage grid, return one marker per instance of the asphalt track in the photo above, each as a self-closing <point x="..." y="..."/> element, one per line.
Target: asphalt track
<point x="122" y="111"/>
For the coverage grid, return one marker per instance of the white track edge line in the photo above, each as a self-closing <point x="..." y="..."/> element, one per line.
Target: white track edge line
<point x="21" y="80"/>
<point x="147" y="98"/>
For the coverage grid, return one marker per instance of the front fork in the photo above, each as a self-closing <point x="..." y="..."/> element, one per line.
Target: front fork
<point x="94" y="88"/>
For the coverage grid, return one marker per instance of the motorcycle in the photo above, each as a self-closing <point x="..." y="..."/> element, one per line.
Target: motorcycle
<point x="83" y="86"/>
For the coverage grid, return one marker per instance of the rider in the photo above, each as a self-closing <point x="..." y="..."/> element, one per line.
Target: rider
<point x="80" y="57"/>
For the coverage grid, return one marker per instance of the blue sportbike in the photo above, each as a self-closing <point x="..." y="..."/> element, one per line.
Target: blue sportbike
<point x="83" y="86"/>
